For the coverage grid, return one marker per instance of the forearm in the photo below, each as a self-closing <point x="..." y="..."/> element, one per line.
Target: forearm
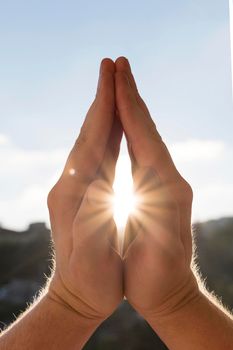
<point x="200" y="323"/>
<point x="48" y="325"/>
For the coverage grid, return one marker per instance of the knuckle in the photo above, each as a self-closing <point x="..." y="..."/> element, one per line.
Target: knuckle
<point x="155" y="135"/>
<point x="82" y="138"/>
<point x="186" y="192"/>
<point x="53" y="197"/>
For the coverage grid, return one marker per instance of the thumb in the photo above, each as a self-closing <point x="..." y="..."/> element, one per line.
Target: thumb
<point x="94" y="224"/>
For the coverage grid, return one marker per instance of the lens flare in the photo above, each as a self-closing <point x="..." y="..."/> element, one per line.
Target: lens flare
<point x="124" y="204"/>
<point x="124" y="201"/>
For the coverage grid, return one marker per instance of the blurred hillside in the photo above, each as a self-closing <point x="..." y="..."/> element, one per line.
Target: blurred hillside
<point x="25" y="258"/>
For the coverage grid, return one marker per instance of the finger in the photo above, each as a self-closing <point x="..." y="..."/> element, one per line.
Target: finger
<point x="88" y="152"/>
<point x="143" y="137"/>
<point x="123" y="65"/>
<point x="108" y="165"/>
<point x="147" y="149"/>
<point x="84" y="160"/>
<point x="94" y="226"/>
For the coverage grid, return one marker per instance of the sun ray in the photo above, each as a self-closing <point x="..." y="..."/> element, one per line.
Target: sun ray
<point x="124" y="201"/>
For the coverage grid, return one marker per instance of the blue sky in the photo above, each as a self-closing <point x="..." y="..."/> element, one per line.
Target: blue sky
<point x="50" y="53"/>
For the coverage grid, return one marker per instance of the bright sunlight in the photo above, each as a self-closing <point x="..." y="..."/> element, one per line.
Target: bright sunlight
<point x="124" y="201"/>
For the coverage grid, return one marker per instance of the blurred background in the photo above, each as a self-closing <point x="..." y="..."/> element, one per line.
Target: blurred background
<point x="49" y="61"/>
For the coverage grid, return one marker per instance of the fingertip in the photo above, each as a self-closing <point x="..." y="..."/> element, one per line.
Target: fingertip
<point x="122" y="64"/>
<point x="107" y="64"/>
<point x="105" y="87"/>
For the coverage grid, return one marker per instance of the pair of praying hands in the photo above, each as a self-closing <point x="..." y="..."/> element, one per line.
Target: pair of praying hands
<point x="153" y="272"/>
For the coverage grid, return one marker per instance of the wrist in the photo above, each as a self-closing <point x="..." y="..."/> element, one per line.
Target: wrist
<point x="72" y="306"/>
<point x="186" y="294"/>
<point x="48" y="324"/>
<point x="192" y="321"/>
<point x="73" y="325"/>
<point x="60" y="294"/>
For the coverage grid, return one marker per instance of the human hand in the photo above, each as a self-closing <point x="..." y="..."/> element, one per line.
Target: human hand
<point x="158" y="242"/>
<point x="88" y="272"/>
<point x="87" y="283"/>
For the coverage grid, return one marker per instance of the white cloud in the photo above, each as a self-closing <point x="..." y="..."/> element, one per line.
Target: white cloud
<point x="25" y="179"/>
<point x="16" y="162"/>
<point x="207" y="165"/>
<point x="27" y="176"/>
<point x="213" y="201"/>
<point x="197" y="150"/>
<point x="29" y="206"/>
<point x="4" y="140"/>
